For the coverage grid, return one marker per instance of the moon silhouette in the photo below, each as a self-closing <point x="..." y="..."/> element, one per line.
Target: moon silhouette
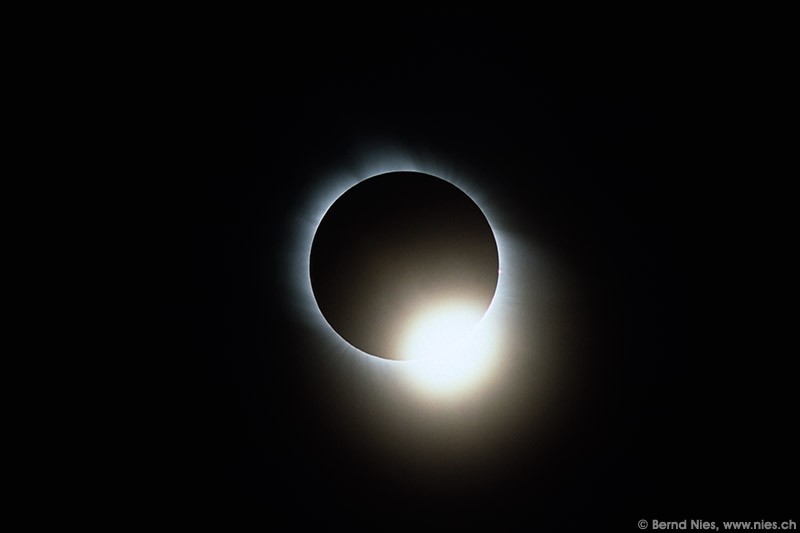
<point x="396" y="244"/>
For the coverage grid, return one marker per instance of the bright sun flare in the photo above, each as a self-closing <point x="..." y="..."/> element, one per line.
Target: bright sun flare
<point x="451" y="350"/>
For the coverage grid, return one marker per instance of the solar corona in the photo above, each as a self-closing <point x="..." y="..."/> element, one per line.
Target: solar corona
<point x="427" y="321"/>
<point x="403" y="272"/>
<point x="404" y="266"/>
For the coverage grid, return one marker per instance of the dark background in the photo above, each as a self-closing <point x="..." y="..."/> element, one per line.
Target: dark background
<point x="618" y="148"/>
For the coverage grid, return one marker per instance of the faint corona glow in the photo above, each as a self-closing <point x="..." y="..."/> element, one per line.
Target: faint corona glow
<point x="467" y="385"/>
<point x="451" y="351"/>
<point x="453" y="374"/>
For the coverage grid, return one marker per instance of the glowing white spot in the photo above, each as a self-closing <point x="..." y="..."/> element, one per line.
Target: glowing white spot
<point x="453" y="352"/>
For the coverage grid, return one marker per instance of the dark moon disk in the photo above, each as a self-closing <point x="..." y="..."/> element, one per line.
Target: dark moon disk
<point x="394" y="245"/>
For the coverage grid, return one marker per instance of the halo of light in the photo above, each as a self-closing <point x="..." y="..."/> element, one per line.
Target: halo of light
<point x="417" y="375"/>
<point x="446" y="419"/>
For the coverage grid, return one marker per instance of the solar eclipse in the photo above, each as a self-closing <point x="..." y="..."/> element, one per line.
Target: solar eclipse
<point x="397" y="246"/>
<point x="429" y="338"/>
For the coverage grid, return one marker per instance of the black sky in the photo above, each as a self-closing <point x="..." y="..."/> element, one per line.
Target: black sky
<point x="608" y="149"/>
